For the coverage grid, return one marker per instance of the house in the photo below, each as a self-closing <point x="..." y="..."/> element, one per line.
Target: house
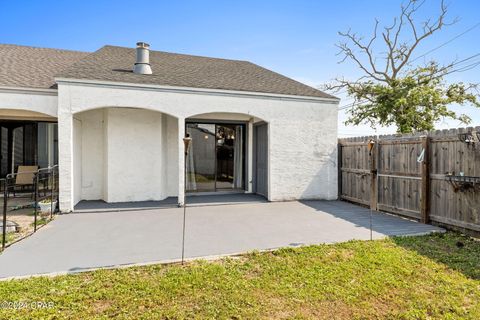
<point x="114" y="121"/>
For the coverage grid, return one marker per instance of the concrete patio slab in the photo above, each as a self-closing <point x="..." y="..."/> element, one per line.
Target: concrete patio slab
<point x="170" y="202"/>
<point x="83" y="241"/>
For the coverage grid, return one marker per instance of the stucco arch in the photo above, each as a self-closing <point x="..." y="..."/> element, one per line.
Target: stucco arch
<point x="256" y="135"/>
<point x="124" y="153"/>
<point x="91" y="108"/>
<point x="25" y="114"/>
<point x="227" y="115"/>
<point x="42" y="103"/>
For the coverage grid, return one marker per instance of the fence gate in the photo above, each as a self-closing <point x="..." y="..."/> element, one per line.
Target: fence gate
<point x="401" y="173"/>
<point x="355" y="165"/>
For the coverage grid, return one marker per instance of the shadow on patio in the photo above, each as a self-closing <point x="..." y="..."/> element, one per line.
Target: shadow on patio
<point x="382" y="223"/>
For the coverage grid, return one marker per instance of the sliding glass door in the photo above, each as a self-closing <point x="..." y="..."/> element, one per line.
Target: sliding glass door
<point x="217" y="158"/>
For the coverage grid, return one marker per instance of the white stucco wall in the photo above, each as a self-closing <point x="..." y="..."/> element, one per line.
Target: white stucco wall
<point x="77" y="160"/>
<point x="46" y="103"/>
<point x="135" y="147"/>
<point x="127" y="155"/>
<point x="92" y="157"/>
<point x="171" y="156"/>
<point x="303" y="157"/>
<point x="302" y="133"/>
<point x="225" y="116"/>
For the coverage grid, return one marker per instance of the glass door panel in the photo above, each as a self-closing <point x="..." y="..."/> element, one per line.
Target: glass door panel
<point x="3" y="152"/>
<point x="201" y="157"/>
<point x="238" y="142"/>
<point x="17" y="148"/>
<point x="225" y="156"/>
<point x="216" y="157"/>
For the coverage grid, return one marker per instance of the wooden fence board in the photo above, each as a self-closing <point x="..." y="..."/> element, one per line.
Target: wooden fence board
<point x="391" y="179"/>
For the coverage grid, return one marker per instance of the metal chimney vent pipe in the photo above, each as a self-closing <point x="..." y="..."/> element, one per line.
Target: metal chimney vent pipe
<point x="142" y="64"/>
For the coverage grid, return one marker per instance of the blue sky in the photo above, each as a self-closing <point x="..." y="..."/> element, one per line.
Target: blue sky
<point x="295" y="38"/>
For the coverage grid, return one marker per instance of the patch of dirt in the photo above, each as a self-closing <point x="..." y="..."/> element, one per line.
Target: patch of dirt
<point x="340" y="254"/>
<point x="20" y="211"/>
<point x="101" y="306"/>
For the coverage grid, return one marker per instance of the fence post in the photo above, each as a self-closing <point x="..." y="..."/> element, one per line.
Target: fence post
<point x="4" y="226"/>
<point x="425" y="187"/>
<point x="35" y="197"/>
<point x="56" y="191"/>
<point x="339" y="167"/>
<point x="52" y="176"/>
<point x="373" y="175"/>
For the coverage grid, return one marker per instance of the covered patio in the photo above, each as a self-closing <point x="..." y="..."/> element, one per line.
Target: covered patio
<point x="132" y="157"/>
<point x="90" y="240"/>
<point x="28" y="154"/>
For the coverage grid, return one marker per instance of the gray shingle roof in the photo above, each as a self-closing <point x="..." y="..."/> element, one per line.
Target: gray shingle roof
<point x="115" y="64"/>
<point x="22" y="66"/>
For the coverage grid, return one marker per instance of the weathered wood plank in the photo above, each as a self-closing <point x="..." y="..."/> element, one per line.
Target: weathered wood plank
<point x="403" y="186"/>
<point x="339" y="173"/>
<point x="400" y="174"/>
<point x="373" y="154"/>
<point x="359" y="171"/>
<point x="400" y="211"/>
<point x="455" y="222"/>
<point x="401" y="142"/>
<point x="425" y="193"/>
<point x="351" y="199"/>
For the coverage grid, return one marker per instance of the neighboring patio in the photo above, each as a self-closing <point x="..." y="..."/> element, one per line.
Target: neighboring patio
<point x="83" y="241"/>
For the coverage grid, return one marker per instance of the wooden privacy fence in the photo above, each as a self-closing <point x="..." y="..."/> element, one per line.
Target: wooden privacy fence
<point x="431" y="177"/>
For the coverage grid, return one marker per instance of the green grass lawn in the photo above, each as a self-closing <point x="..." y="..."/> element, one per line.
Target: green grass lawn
<point x="427" y="277"/>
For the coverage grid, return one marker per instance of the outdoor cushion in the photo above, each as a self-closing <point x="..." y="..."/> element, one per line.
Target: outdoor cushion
<point x="25" y="175"/>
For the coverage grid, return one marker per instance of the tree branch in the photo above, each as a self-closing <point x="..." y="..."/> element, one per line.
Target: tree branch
<point x="428" y="30"/>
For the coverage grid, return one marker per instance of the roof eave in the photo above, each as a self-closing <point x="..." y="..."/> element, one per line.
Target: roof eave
<point x="59" y="80"/>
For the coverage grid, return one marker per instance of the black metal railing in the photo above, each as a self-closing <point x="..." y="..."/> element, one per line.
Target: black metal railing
<point x="41" y="195"/>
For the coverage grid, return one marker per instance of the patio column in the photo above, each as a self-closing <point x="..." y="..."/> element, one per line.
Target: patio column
<point x="65" y="158"/>
<point x="181" y="160"/>
<point x="250" y="157"/>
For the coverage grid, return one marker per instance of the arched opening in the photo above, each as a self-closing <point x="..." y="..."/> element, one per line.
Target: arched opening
<point x="27" y="138"/>
<point x="123" y="154"/>
<point x="229" y="153"/>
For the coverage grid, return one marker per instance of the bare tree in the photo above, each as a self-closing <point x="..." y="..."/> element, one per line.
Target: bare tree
<point x="398" y="52"/>
<point x="383" y="94"/>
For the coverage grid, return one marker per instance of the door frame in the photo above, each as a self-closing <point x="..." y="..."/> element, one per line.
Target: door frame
<point x="255" y="159"/>
<point x="245" y="150"/>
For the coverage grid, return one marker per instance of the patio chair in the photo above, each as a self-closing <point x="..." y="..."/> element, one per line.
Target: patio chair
<point x="25" y="177"/>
